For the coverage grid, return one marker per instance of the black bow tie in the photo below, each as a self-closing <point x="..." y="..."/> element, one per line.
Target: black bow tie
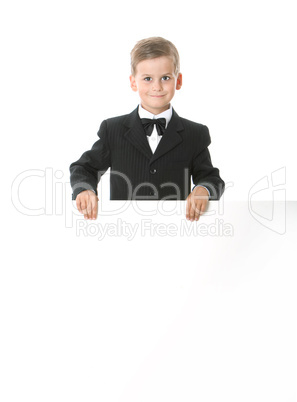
<point x="148" y="125"/>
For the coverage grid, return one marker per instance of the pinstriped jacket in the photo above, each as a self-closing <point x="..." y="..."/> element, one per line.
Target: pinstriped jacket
<point x="137" y="173"/>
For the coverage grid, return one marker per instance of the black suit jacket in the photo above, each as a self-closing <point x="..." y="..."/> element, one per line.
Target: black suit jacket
<point x="137" y="173"/>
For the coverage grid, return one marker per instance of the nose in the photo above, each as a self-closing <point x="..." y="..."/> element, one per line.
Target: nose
<point x="157" y="85"/>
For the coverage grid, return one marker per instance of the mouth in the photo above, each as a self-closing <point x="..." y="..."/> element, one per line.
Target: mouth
<point x="157" y="96"/>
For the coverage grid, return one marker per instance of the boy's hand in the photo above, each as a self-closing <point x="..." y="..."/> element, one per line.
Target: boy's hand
<point x="87" y="204"/>
<point x="196" y="203"/>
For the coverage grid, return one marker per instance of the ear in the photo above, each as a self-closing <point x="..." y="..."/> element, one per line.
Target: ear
<point x="179" y="81"/>
<point x="133" y="83"/>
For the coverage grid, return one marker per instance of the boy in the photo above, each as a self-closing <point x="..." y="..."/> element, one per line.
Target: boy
<point x="152" y="152"/>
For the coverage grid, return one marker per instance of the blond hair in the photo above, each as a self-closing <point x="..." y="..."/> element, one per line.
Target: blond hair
<point x="152" y="48"/>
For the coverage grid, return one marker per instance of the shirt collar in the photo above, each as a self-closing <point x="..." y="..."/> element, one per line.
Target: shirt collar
<point x="145" y="114"/>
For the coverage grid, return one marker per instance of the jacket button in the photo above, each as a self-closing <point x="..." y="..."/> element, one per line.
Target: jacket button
<point x="153" y="171"/>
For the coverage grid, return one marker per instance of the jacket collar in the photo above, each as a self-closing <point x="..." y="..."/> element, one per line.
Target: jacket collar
<point x="136" y="135"/>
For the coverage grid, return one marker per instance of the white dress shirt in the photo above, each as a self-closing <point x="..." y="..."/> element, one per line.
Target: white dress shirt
<point x="155" y="138"/>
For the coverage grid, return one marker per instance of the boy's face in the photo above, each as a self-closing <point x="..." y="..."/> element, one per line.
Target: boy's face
<point x="156" y="83"/>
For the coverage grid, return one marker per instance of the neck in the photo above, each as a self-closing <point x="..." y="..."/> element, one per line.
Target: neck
<point x="155" y="111"/>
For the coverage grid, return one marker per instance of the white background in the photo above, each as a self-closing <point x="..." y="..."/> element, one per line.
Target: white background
<point x="158" y="318"/>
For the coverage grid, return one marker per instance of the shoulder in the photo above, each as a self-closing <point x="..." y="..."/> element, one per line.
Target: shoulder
<point x="196" y="130"/>
<point x="189" y="124"/>
<point x="118" y="120"/>
<point x="113" y="124"/>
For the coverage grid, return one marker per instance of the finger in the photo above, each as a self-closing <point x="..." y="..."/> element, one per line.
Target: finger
<point x="192" y="209"/>
<point x="197" y="210"/>
<point x="89" y="207"/>
<point x="94" y="207"/>
<point x="84" y="208"/>
<point x="78" y="204"/>
<point x="95" y="210"/>
<point x="203" y="207"/>
<point x="83" y="205"/>
<point x="188" y="207"/>
<point x="85" y="212"/>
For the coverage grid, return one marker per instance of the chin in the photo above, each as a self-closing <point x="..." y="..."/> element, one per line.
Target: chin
<point x="160" y="104"/>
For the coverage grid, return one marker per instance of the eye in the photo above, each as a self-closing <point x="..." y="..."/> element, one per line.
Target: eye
<point x="166" y="78"/>
<point x="147" y="79"/>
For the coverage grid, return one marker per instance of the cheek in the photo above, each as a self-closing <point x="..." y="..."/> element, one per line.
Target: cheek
<point x="171" y="90"/>
<point x="171" y="86"/>
<point x="142" y="90"/>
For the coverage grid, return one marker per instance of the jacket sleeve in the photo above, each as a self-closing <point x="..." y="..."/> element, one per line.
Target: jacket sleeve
<point x="86" y="172"/>
<point x="203" y="172"/>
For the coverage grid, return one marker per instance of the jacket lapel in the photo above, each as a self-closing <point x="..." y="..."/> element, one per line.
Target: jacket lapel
<point x="136" y="135"/>
<point x="171" y="138"/>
